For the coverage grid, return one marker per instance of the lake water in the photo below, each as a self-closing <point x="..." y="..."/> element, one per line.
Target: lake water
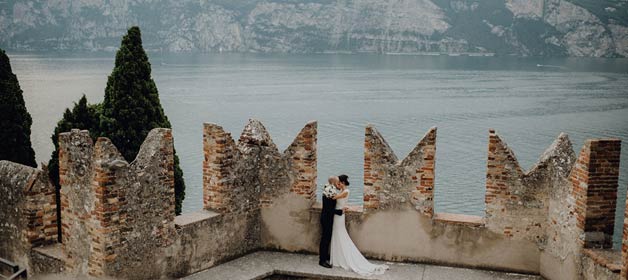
<point x="529" y="101"/>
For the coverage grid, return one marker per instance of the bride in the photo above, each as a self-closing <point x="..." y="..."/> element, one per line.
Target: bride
<point x="343" y="252"/>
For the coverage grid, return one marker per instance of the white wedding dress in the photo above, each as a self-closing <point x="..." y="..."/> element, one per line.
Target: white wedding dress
<point x="344" y="253"/>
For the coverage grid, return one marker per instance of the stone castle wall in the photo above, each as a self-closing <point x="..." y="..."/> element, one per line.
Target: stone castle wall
<point x="582" y="211"/>
<point x="389" y="183"/>
<point x="241" y="183"/>
<point x="118" y="217"/>
<point x="28" y="215"/>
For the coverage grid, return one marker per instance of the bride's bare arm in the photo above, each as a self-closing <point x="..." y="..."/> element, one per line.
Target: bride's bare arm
<point x="343" y="194"/>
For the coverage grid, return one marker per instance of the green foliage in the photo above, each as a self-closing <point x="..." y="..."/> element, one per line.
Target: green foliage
<point x="15" y="121"/>
<point x="130" y="110"/>
<point x="179" y="185"/>
<point x="131" y="107"/>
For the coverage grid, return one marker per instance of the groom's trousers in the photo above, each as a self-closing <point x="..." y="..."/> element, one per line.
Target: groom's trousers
<point x="327" y="222"/>
<point x="327" y="225"/>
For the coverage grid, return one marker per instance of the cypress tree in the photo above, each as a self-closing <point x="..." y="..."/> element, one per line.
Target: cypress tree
<point x="15" y="121"/>
<point x="132" y="108"/>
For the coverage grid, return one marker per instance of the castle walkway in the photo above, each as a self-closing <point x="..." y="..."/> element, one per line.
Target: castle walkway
<point x="285" y="266"/>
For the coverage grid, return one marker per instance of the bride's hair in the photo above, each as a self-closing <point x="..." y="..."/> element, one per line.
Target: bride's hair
<point x="344" y="179"/>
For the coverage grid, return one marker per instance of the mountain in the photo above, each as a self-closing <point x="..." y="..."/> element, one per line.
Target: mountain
<point x="594" y="28"/>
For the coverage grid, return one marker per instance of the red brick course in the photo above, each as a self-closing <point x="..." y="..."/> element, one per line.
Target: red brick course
<point x="301" y="157"/>
<point x="415" y="173"/>
<point x="624" y="245"/>
<point x="231" y="171"/>
<point x="594" y="179"/>
<point x="114" y="211"/>
<point x="220" y="154"/>
<point x="40" y="210"/>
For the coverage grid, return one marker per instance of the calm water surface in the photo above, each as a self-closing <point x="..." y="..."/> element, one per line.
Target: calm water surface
<point x="529" y="101"/>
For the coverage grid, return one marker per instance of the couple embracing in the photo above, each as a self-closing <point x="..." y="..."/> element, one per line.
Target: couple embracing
<point x="336" y="247"/>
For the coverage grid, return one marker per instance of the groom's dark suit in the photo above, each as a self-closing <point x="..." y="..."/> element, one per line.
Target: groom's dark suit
<point x="327" y="223"/>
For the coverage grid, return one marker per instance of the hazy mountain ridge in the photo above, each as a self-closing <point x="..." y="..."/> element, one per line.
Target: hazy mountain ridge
<point x="518" y="27"/>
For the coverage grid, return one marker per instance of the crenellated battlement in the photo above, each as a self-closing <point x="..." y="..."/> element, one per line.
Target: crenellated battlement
<point x="390" y="183"/>
<point x="115" y="215"/>
<point x="230" y="169"/>
<point x="118" y="217"/>
<point x="517" y="201"/>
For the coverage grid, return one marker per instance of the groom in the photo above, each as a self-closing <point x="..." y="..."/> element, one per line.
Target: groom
<point x="327" y="219"/>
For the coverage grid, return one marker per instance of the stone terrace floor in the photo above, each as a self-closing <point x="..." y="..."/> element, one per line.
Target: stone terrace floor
<point x="261" y="265"/>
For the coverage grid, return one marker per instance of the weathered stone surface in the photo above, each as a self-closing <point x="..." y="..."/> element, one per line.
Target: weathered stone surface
<point x="594" y="180"/>
<point x="207" y="238"/>
<point x="77" y="199"/>
<point x="525" y="211"/>
<point x="253" y="178"/>
<point x="517" y="202"/>
<point x="624" y="245"/>
<point x="408" y="235"/>
<point x="261" y="264"/>
<point x="239" y="181"/>
<point x="47" y="260"/>
<point x="220" y="154"/>
<point x="601" y="264"/>
<point x="398" y="230"/>
<point x="289" y="193"/>
<point x="393" y="184"/>
<point x="301" y="158"/>
<point x="149" y="207"/>
<point x="27" y="212"/>
<point x="118" y="217"/>
<point x="575" y="206"/>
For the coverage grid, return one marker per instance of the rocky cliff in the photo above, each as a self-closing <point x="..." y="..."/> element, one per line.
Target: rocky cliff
<point x="512" y="27"/>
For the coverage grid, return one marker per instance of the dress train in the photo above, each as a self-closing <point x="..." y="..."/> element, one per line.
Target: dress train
<point x="344" y="253"/>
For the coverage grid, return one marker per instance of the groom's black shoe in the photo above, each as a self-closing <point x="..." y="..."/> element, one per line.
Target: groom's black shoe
<point x="324" y="264"/>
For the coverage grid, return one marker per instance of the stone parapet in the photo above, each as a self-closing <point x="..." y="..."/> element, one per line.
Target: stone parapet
<point x="243" y="176"/>
<point x="576" y="203"/>
<point x="118" y="217"/>
<point x="517" y="201"/>
<point x="220" y="154"/>
<point x="624" y="245"/>
<point x="77" y="199"/>
<point x="301" y="157"/>
<point x="595" y="182"/>
<point x="390" y="183"/>
<point x="28" y="217"/>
